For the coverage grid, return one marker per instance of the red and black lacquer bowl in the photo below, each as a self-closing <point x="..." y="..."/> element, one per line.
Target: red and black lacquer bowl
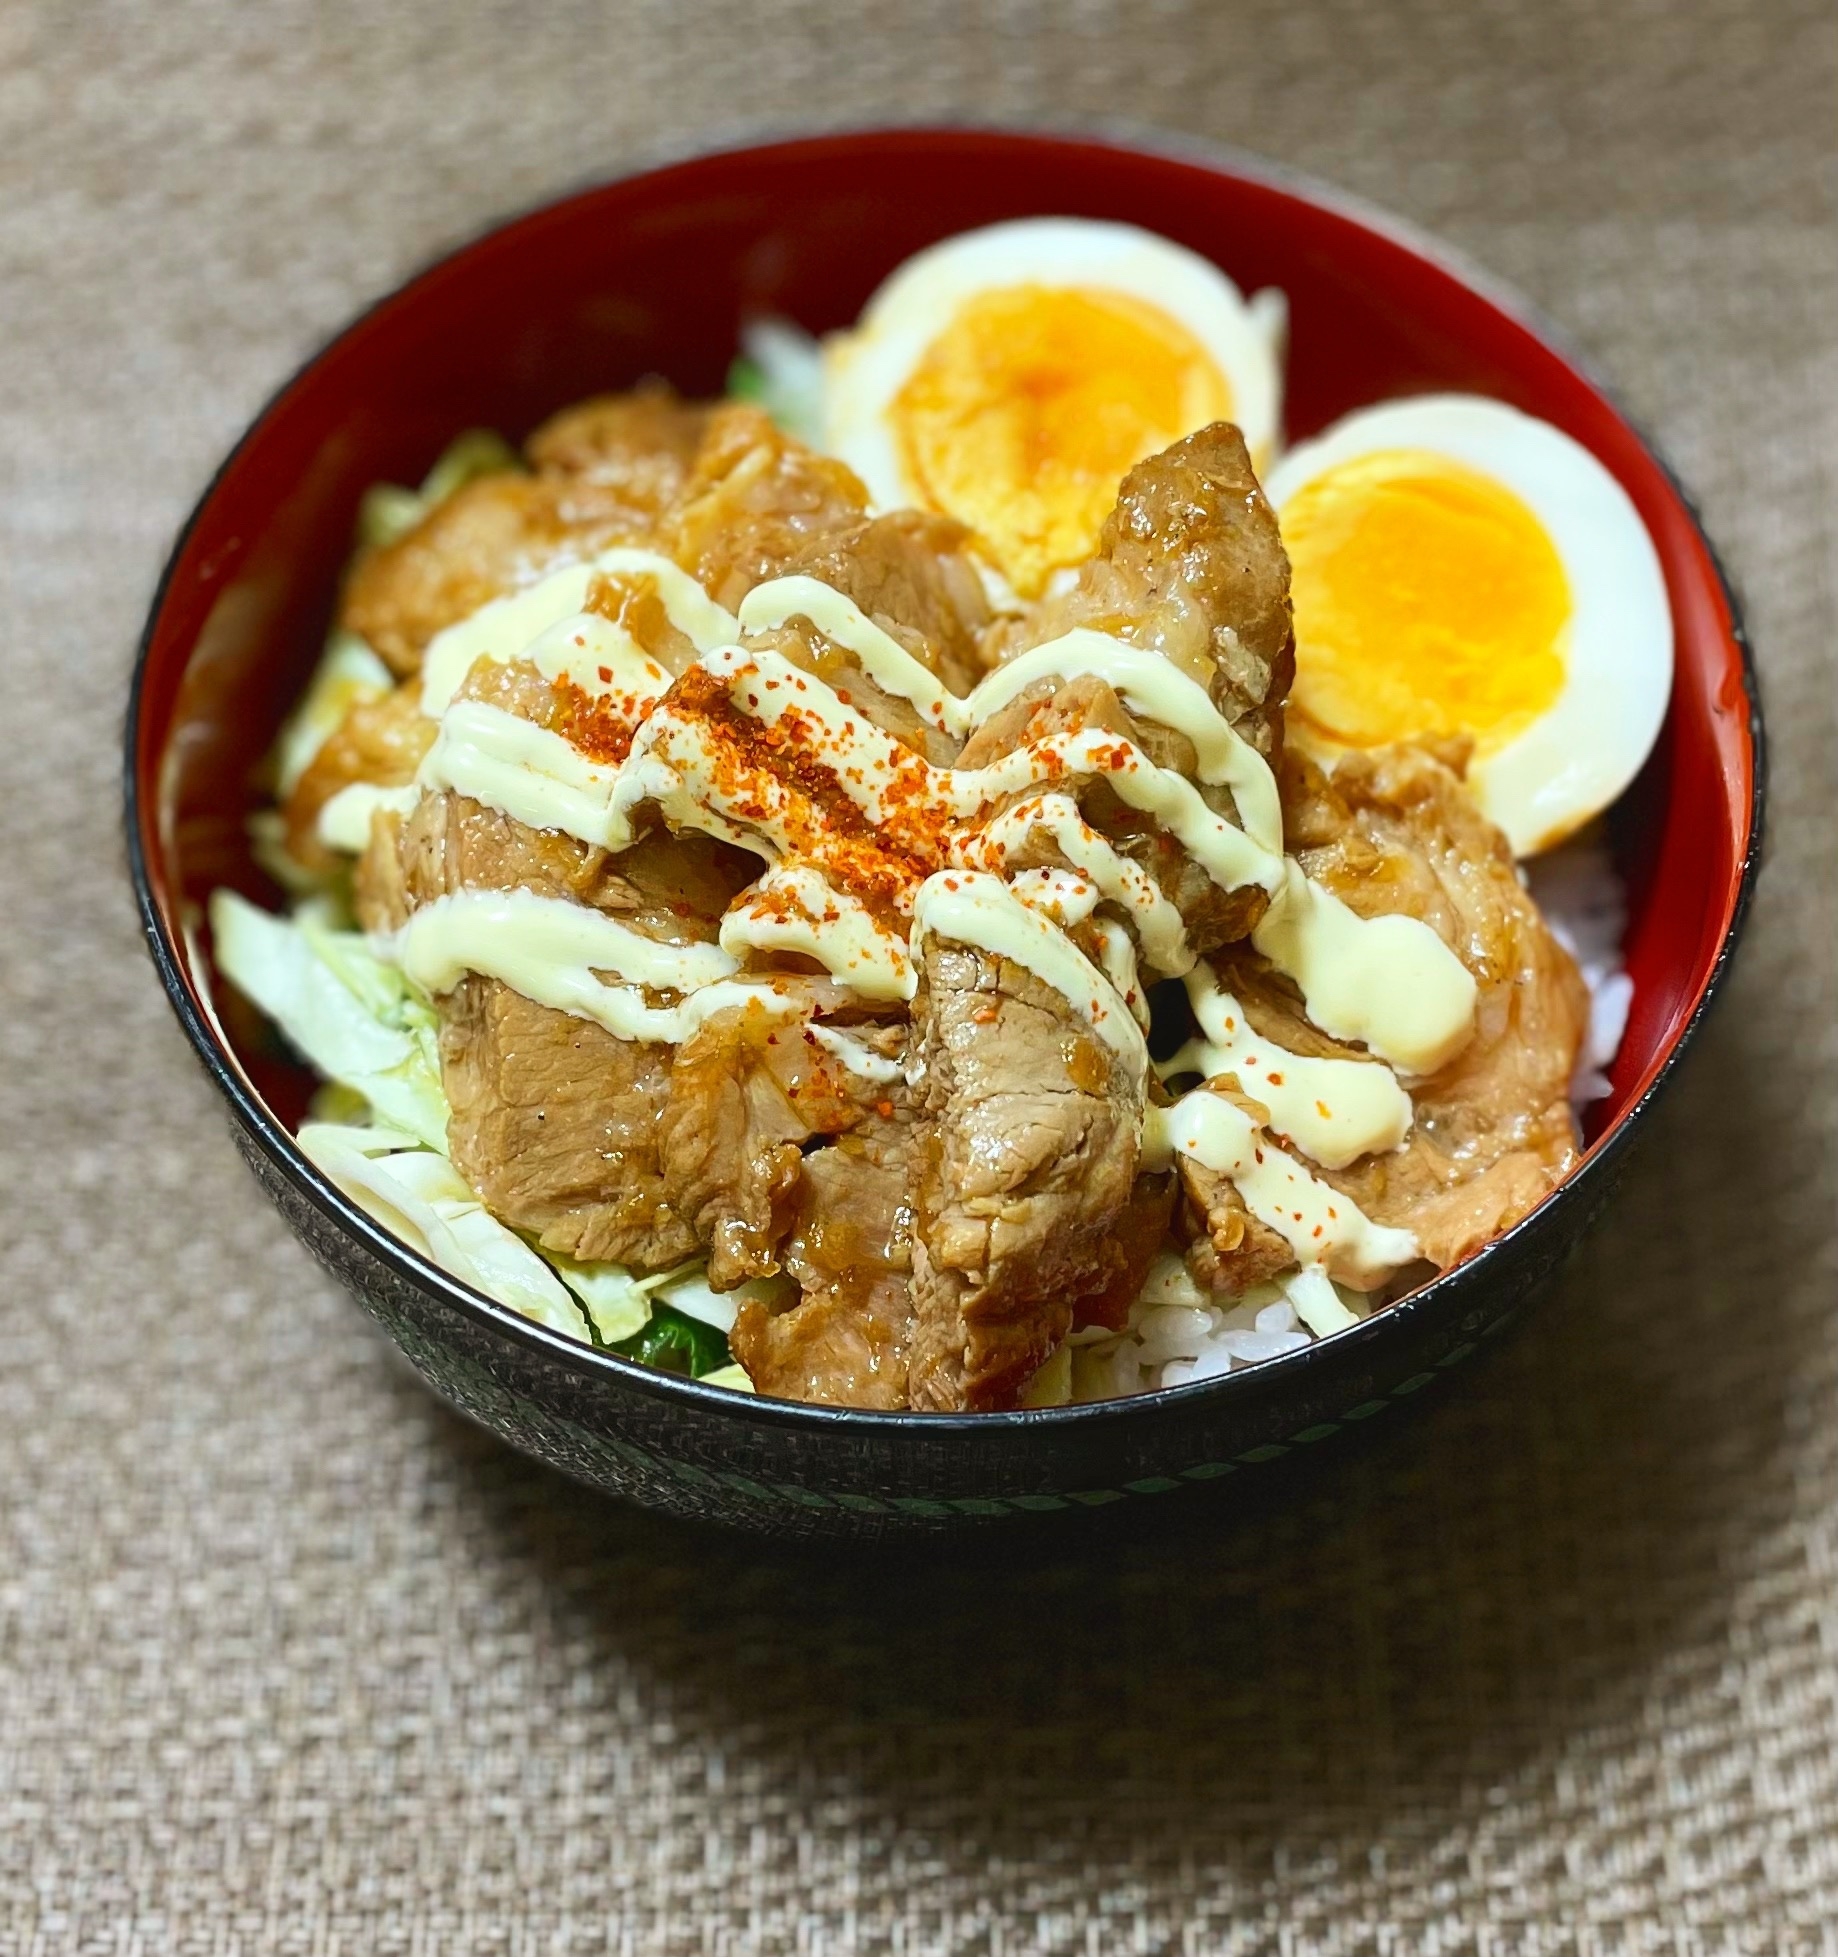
<point x="654" y="274"/>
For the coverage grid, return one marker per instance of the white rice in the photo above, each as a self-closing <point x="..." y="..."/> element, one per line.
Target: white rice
<point x="1176" y="1335"/>
<point x="1585" y="903"/>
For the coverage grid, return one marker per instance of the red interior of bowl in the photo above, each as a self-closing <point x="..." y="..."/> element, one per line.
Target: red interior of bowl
<point x="655" y="275"/>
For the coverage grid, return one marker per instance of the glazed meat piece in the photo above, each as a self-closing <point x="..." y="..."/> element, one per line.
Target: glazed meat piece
<point x="653" y="1152"/>
<point x="755" y="503"/>
<point x="555" y="1124"/>
<point x="1136" y="1239"/>
<point x="669" y="888"/>
<point x="1394" y="831"/>
<point x="672" y="888"/>
<point x="606" y="473"/>
<point x="913" y="575"/>
<point x="487" y="538"/>
<point x="1029" y="1136"/>
<point x="747" y="1090"/>
<point x="1191" y="565"/>
<point x="1210" y="914"/>
<point x="640" y="446"/>
<point x="843" y="1342"/>
<point x="1229" y="1249"/>
<point x="381" y="741"/>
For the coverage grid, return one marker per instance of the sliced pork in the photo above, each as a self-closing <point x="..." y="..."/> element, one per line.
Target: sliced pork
<point x="1191" y="565"/>
<point x="1393" y="831"/>
<point x="842" y="1341"/>
<point x="755" y="503"/>
<point x="1029" y="1136"/>
<point x="747" y="1090"/>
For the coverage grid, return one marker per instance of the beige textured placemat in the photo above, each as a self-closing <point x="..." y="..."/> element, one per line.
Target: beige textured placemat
<point x="292" y="1661"/>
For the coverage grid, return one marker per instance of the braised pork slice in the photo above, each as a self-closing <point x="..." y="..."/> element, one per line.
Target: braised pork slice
<point x="1191" y="565"/>
<point x="1228" y="1249"/>
<point x="1140" y="1231"/>
<point x="605" y="473"/>
<point x="1029" y="1135"/>
<point x="1393" y="830"/>
<point x="1210" y="914"/>
<point x="843" y="1342"/>
<point x="641" y="446"/>
<point x="911" y="573"/>
<point x="754" y="504"/>
<point x="489" y="537"/>
<point x="560" y="1127"/>
<point x="380" y="740"/>
<point x="747" y="1090"/>
<point x="555" y="1124"/>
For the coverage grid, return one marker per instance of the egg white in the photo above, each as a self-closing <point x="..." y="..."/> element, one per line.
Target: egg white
<point x="1589" y="744"/>
<point x="865" y="370"/>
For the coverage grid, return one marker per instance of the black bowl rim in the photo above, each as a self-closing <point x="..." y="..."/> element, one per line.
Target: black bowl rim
<point x="594" y="1363"/>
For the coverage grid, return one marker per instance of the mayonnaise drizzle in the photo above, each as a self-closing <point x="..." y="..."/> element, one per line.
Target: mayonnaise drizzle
<point x="526" y="771"/>
<point x="550" y="949"/>
<point x="1333" y="1110"/>
<point x="1117" y="961"/>
<point x="602" y="659"/>
<point x="343" y="821"/>
<point x="1320" y="1225"/>
<point x="1225" y="852"/>
<point x="794" y="908"/>
<point x="857" y="1055"/>
<point x="1389" y="982"/>
<point x="507" y="627"/>
<point x="892" y="786"/>
<point x="972" y="909"/>
<point x="1157" y="690"/>
<point x="1110" y="874"/>
<point x="843" y="622"/>
<point x="1145" y="680"/>
<point x="1063" y="895"/>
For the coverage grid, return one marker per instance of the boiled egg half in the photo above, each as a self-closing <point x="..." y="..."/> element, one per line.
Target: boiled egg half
<point x="1458" y="567"/>
<point x="1010" y="378"/>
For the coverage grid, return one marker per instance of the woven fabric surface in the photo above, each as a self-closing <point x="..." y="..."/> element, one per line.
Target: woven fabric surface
<point x="293" y="1661"/>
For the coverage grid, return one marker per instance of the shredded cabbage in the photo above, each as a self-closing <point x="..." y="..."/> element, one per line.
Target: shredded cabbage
<point x="420" y="1197"/>
<point x="358" y="1020"/>
<point x="423" y="1199"/>
<point x="733" y="1377"/>
<point x="617" y="1303"/>
<point x="687" y="1290"/>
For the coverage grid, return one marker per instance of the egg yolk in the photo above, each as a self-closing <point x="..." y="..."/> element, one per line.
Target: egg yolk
<point x="1025" y="413"/>
<point x="1429" y="600"/>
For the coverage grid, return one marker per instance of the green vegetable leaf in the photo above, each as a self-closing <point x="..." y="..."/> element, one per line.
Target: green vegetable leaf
<point x="677" y="1344"/>
<point x="746" y="380"/>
